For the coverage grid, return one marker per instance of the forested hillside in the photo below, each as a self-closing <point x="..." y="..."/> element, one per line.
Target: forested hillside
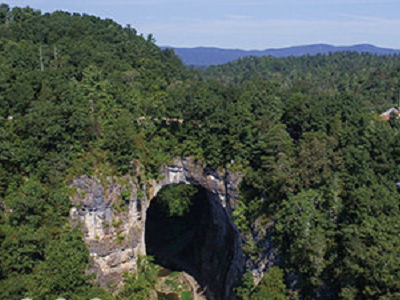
<point x="327" y="166"/>
<point x="72" y="88"/>
<point x="81" y="95"/>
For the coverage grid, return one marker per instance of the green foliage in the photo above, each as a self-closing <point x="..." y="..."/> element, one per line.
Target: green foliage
<point x="271" y="286"/>
<point x="125" y="195"/>
<point x="62" y="273"/>
<point x="186" y="295"/>
<point x="140" y="283"/>
<point x="120" y="238"/>
<point x="239" y="216"/>
<point x="116" y="222"/>
<point x="306" y="232"/>
<point x="177" y="199"/>
<point x="246" y="287"/>
<point x="140" y="195"/>
<point x="41" y="256"/>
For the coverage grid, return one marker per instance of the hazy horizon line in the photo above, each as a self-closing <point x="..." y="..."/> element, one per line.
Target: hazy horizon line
<point x="281" y="47"/>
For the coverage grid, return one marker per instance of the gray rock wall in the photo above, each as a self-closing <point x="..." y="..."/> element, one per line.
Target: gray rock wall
<point x="112" y="226"/>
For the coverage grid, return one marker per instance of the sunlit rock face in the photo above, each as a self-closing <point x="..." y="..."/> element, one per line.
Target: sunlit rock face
<point x="113" y="212"/>
<point x="112" y="225"/>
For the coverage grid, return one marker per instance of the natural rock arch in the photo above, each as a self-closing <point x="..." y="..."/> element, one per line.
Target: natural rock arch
<point x="221" y="192"/>
<point x="112" y="212"/>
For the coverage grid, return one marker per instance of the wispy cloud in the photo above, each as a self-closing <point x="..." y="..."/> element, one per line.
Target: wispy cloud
<point x="372" y="19"/>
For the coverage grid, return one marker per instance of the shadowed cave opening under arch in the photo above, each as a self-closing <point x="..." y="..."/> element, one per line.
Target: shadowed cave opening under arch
<point x="201" y="242"/>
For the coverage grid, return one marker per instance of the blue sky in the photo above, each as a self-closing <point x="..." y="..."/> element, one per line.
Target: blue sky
<point x="251" y="24"/>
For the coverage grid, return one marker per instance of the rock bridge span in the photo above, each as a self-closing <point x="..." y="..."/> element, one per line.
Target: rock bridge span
<point x="113" y="212"/>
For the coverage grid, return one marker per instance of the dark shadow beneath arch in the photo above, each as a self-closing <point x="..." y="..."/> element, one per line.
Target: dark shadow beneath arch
<point x="200" y="242"/>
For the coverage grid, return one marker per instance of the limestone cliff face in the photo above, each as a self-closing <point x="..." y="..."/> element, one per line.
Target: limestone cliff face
<point x="112" y="213"/>
<point x="112" y="225"/>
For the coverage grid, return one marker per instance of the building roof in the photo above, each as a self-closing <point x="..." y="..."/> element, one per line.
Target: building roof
<point x="386" y="115"/>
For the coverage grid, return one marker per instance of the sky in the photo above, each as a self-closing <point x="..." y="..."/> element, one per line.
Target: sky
<point x="246" y="24"/>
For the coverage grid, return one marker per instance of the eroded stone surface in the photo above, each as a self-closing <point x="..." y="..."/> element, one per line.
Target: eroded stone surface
<point x="112" y="225"/>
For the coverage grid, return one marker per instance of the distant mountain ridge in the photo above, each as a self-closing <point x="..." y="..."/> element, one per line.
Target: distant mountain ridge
<point x="208" y="56"/>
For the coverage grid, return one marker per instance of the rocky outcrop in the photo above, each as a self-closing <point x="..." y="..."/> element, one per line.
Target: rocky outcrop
<point x="112" y="224"/>
<point x="112" y="213"/>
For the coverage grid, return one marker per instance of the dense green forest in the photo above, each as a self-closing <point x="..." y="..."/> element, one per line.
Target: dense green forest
<point x="79" y="93"/>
